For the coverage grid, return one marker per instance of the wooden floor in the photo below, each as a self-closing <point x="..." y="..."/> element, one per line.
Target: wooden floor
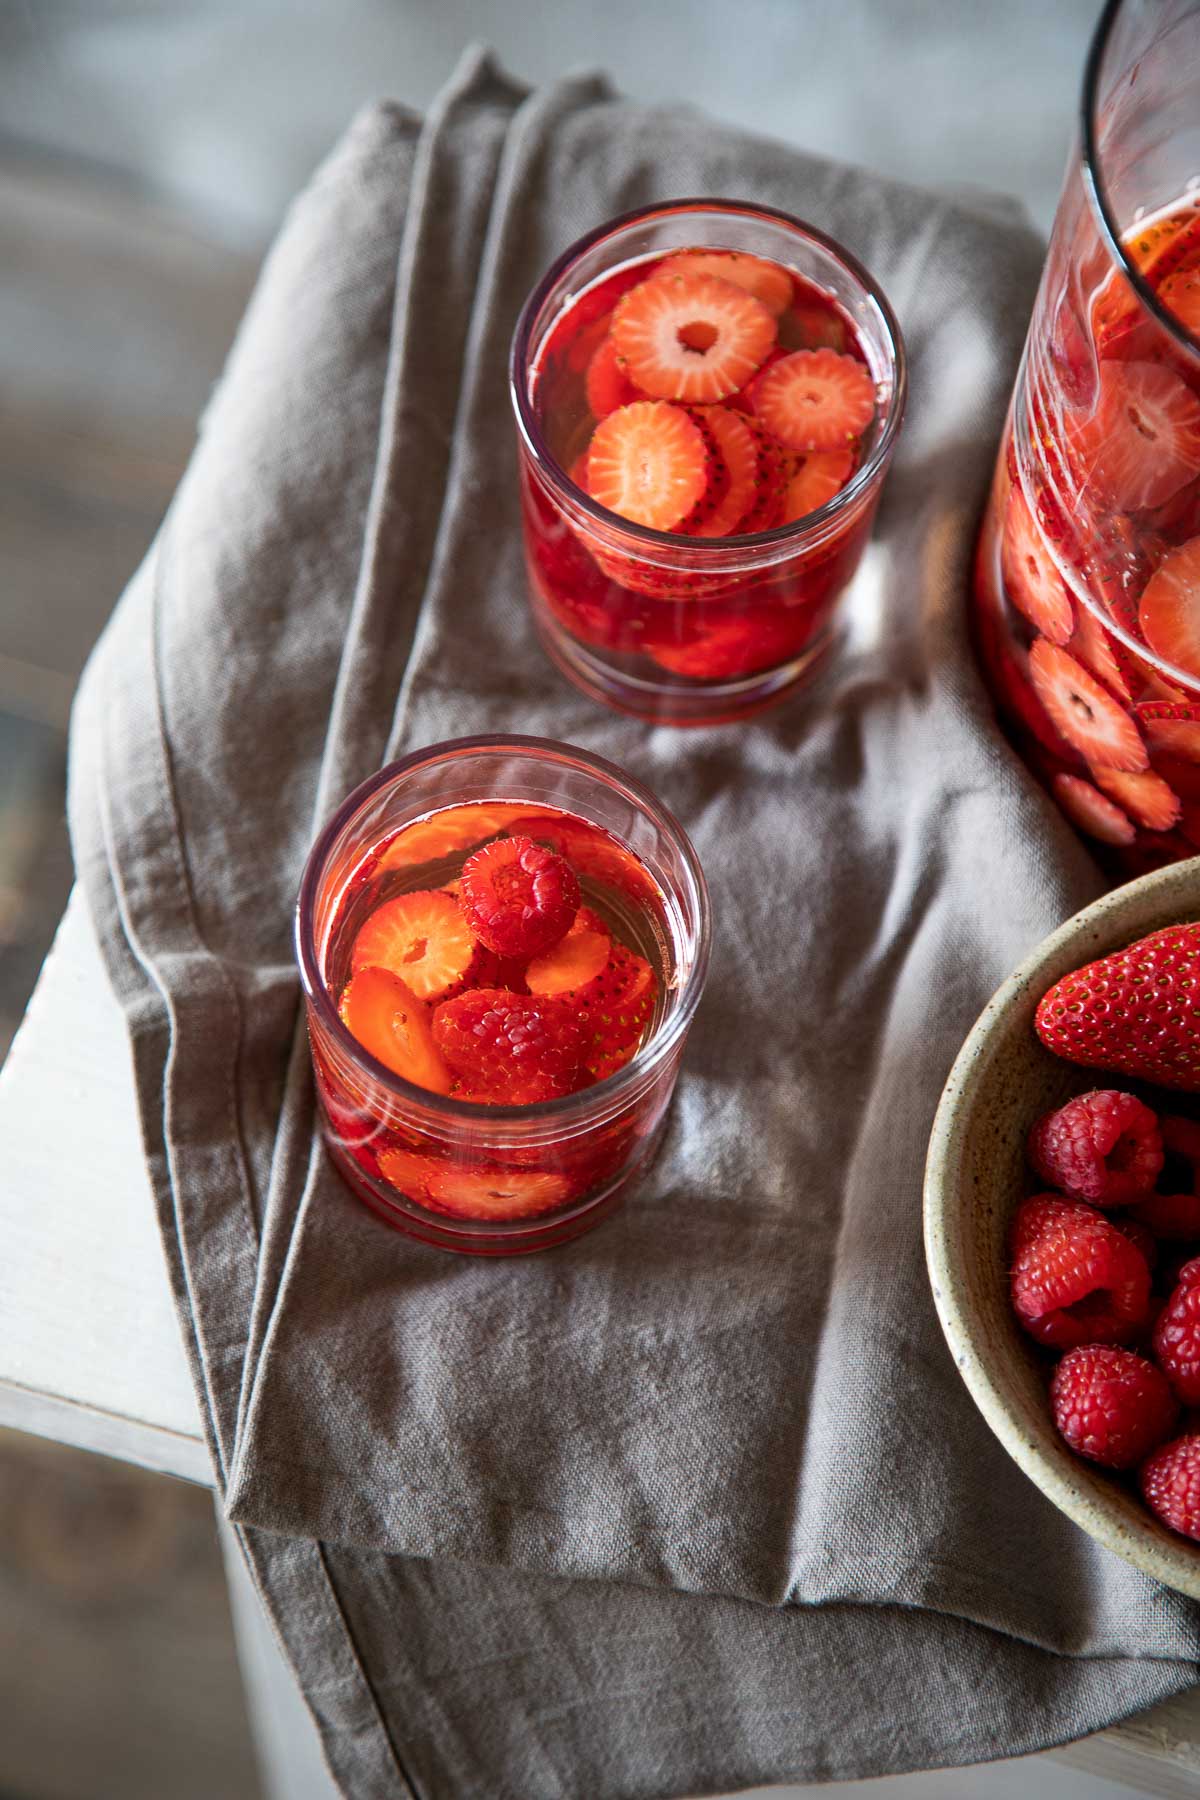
<point x="118" y="1678"/>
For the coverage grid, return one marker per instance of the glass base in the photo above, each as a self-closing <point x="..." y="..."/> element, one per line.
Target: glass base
<point x="476" y="1237"/>
<point x="701" y="703"/>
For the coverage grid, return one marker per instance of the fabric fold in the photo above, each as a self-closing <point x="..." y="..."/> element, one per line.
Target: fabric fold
<point x="714" y="1490"/>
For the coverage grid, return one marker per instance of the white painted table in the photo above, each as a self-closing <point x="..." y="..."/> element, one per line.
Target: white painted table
<point x="90" y="1352"/>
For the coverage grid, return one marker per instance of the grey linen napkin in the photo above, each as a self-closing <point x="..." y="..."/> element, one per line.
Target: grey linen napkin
<point x="699" y="1500"/>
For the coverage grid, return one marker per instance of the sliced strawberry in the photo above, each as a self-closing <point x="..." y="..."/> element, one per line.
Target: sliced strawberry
<point x="1031" y="577"/>
<point x="1146" y="797"/>
<point x="1180" y="294"/>
<point x="713" y="498"/>
<point x="649" y="463"/>
<point x="1086" y="807"/>
<point x="1142" y="442"/>
<point x="691" y="337"/>
<point x="1087" y="716"/>
<point x="1165" y="244"/>
<point x="421" y="937"/>
<point x="737" y="642"/>
<point x="445" y="833"/>
<point x="821" y="475"/>
<point x="616" y="1006"/>
<point x="479" y="1192"/>
<point x="579" y="471"/>
<point x="766" y="509"/>
<point x="608" y="386"/>
<point x="1097" y="650"/>
<point x="1169" y="609"/>
<point x="575" y="960"/>
<point x="388" y="1020"/>
<point x="1171" y="726"/>
<point x="740" y="450"/>
<point x="816" y="400"/>
<point x="818" y="328"/>
<point x="767" y="281"/>
<point x="657" y="581"/>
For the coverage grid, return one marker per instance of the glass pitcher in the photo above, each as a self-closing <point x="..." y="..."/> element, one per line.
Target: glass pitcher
<point x="1087" y="575"/>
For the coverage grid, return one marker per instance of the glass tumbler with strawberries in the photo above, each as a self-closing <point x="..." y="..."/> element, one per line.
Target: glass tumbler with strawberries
<point x="1087" y="582"/>
<point x="707" y="398"/>
<point x="502" y="943"/>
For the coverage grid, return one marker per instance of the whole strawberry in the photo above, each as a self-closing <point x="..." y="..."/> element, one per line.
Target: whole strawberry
<point x="1136" y="1012"/>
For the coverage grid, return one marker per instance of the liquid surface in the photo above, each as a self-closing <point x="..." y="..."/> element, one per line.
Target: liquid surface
<point x="583" y="376"/>
<point x="425" y="861"/>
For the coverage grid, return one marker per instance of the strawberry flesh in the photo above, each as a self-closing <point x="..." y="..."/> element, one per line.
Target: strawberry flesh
<point x="816" y="400"/>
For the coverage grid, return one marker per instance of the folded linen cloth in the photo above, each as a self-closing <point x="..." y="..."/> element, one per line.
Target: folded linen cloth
<point x="698" y="1500"/>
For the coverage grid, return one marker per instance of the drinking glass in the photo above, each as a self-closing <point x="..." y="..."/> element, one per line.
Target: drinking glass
<point x="677" y="629"/>
<point x="446" y="1169"/>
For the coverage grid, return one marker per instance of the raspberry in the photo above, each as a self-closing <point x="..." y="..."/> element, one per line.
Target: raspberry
<point x="1111" y="1405"/>
<point x="1104" y="1147"/>
<point x="519" y="898"/>
<point x="1177" y="1335"/>
<point x="1170" y="1484"/>
<point x="1075" y="1278"/>
<point x="511" y="1047"/>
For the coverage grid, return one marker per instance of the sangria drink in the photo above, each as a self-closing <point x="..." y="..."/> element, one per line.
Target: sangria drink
<point x="707" y="398"/>
<point x="502" y="943"/>
<point x="1087" y="580"/>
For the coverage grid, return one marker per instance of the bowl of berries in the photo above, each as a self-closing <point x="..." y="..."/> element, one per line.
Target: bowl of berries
<point x="1062" y="1220"/>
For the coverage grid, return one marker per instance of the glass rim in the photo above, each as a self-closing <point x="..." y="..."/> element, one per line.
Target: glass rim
<point x="613" y="1088"/>
<point x="781" y="536"/>
<point x="1091" y="160"/>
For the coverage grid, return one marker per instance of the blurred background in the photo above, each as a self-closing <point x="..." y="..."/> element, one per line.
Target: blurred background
<point x="147" y="150"/>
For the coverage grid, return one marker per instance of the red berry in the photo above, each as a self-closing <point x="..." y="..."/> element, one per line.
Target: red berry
<point x="1177" y="1335"/>
<point x="1111" y="1405"/>
<point x="422" y="937"/>
<point x="1087" y="808"/>
<point x="1136" y="1012"/>
<point x="1032" y="579"/>
<point x="516" y="1047"/>
<point x="519" y="898"/>
<point x="616" y="1008"/>
<point x="741" y="450"/>
<point x="1104" y="1147"/>
<point x="1167" y="610"/>
<point x="650" y="463"/>
<point x="1145" y="797"/>
<point x="691" y="336"/>
<point x="476" y="1191"/>
<point x="765" y="280"/>
<point x="608" y="387"/>
<point x="1170" y="1484"/>
<point x="816" y="400"/>
<point x="821" y="475"/>
<point x="1085" y="713"/>
<point x="575" y="960"/>
<point x="388" y="1020"/>
<point x="1075" y="1278"/>
<point x="1141" y="443"/>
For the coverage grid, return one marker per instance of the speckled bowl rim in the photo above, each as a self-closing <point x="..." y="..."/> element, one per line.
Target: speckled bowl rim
<point x="1114" y="1517"/>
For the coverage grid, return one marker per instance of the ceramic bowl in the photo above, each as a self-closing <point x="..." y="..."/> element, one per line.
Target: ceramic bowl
<point x="1002" y="1080"/>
